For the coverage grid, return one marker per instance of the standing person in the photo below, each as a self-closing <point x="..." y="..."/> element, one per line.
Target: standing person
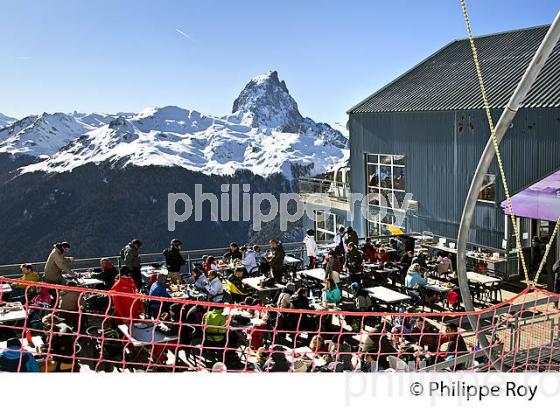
<point x="107" y="273"/>
<point x="339" y="242"/>
<point x="131" y="259"/>
<point x="354" y="261"/>
<point x="126" y="307"/>
<point x="249" y="260"/>
<point x="311" y="248"/>
<point x="174" y="260"/>
<point x="276" y="261"/>
<point x="351" y="236"/>
<point x="332" y="266"/>
<point x="57" y="264"/>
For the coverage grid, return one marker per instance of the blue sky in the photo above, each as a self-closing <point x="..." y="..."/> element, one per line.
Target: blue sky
<point x="126" y="55"/>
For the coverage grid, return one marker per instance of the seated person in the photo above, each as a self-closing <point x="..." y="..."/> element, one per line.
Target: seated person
<point x="331" y="293"/>
<point x="209" y="264"/>
<point x="277" y="361"/>
<point x="284" y="298"/>
<point x="235" y="286"/>
<point x="382" y="255"/>
<point x="127" y="307"/>
<point x="379" y="346"/>
<point x="214" y="289"/>
<point x="340" y="351"/>
<point x="362" y="298"/>
<point x="233" y="254"/>
<point x="454" y="344"/>
<point x="12" y="360"/>
<point x="414" y="279"/>
<point x="20" y="290"/>
<point x="159" y="289"/>
<point x="249" y="260"/>
<point x="317" y="345"/>
<point x="198" y="279"/>
<point x="421" y="259"/>
<point x="215" y="327"/>
<point x="299" y="300"/>
<point x="444" y="265"/>
<point x="107" y="273"/>
<point x="369" y="251"/>
<point x="69" y="305"/>
<point x="426" y="335"/>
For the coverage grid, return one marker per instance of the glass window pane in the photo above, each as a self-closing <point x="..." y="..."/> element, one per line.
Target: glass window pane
<point x="373" y="177"/>
<point x="329" y="223"/>
<point x="398" y="178"/>
<point x="385" y="177"/>
<point x="373" y="158"/>
<point x="385" y="159"/>
<point x="398" y="159"/>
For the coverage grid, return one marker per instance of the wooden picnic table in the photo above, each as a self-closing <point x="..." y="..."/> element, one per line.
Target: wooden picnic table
<point x="254" y="283"/>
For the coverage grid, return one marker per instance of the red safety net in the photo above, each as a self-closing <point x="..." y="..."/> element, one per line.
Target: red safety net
<point x="76" y="329"/>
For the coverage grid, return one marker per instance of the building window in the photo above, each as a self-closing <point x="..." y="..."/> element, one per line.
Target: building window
<point x="488" y="190"/>
<point x="385" y="178"/>
<point x="325" y="226"/>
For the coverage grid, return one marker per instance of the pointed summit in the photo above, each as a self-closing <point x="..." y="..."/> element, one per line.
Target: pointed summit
<point x="267" y="98"/>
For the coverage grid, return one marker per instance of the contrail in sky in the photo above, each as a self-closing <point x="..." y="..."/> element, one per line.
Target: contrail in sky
<point x="181" y="32"/>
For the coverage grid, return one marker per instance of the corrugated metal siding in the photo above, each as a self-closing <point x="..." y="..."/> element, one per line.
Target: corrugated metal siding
<point x="447" y="80"/>
<point x="442" y="150"/>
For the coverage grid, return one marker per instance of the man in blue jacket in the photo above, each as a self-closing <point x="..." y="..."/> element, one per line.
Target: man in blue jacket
<point x="12" y="360"/>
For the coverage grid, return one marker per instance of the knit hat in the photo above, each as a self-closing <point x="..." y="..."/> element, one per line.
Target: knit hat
<point x="290" y="287"/>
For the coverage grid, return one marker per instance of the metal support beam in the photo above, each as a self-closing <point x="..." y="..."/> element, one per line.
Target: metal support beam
<point x="533" y="70"/>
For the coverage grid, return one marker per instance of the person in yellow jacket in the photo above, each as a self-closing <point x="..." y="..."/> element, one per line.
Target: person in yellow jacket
<point x="215" y="327"/>
<point x="235" y="286"/>
<point x="28" y="275"/>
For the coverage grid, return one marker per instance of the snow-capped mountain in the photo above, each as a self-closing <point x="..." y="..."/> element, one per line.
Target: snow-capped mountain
<point x="265" y="134"/>
<point x="5" y="120"/>
<point x="41" y="135"/>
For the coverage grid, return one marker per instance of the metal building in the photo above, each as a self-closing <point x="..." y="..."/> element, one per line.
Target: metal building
<point x="423" y="134"/>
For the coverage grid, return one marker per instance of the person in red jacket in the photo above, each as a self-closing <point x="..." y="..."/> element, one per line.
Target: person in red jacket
<point x="369" y="251"/>
<point x="126" y="307"/>
<point x="383" y="255"/>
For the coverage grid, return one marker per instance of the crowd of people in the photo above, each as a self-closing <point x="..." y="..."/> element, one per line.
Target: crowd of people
<point x="222" y="279"/>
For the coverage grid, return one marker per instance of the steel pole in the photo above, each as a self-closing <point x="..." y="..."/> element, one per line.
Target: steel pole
<point x="533" y="70"/>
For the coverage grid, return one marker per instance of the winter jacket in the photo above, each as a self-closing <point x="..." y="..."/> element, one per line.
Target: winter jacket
<point x="158" y="290"/>
<point x="250" y="261"/>
<point x="10" y="361"/>
<point x="216" y="325"/>
<point x="231" y="256"/>
<point x="130" y="257"/>
<point x="107" y="275"/>
<point x="299" y="302"/>
<point x="56" y="265"/>
<point x="215" y="291"/>
<point x="235" y="285"/>
<point x="351" y="236"/>
<point x="354" y="261"/>
<point x="29" y="277"/>
<point x="127" y="307"/>
<point x="283" y="301"/>
<point x="414" y="279"/>
<point x="277" y="261"/>
<point x="311" y="246"/>
<point x="332" y="295"/>
<point x="369" y="252"/>
<point x="173" y="259"/>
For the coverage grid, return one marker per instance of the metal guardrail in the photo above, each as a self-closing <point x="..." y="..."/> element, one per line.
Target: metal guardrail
<point x="333" y="189"/>
<point x="296" y="249"/>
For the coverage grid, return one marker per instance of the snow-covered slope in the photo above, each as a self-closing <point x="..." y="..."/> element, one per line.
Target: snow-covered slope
<point x="265" y="135"/>
<point x="5" y="120"/>
<point x="41" y="135"/>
